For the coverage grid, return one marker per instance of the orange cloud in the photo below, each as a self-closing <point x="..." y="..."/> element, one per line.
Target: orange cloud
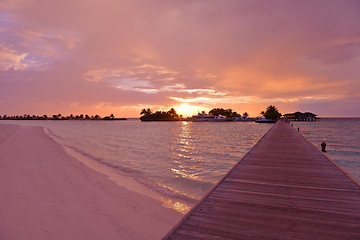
<point x="238" y="54"/>
<point x="10" y="59"/>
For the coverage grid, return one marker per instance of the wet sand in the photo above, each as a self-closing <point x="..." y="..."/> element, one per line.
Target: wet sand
<point x="48" y="194"/>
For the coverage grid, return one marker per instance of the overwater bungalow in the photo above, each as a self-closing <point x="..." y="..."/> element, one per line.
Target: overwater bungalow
<point x="299" y="116"/>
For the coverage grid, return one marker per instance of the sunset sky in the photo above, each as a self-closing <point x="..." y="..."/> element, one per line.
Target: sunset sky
<point x="114" y="56"/>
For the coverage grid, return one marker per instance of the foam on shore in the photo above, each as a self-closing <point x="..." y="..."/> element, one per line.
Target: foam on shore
<point x="168" y="197"/>
<point x="47" y="194"/>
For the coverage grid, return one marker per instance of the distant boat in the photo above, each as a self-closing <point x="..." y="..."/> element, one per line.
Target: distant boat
<point x="203" y="117"/>
<point x="264" y="120"/>
<point x="221" y="119"/>
<point x="243" y="119"/>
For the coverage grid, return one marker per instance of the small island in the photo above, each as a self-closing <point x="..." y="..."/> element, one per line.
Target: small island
<point x="60" y="117"/>
<point x="216" y="114"/>
<point x="271" y="115"/>
<point x="171" y="115"/>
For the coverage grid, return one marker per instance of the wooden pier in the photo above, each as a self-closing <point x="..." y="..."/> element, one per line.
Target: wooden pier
<point x="283" y="188"/>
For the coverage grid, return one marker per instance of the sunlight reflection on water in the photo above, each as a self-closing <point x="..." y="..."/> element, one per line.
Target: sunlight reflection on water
<point x="182" y="160"/>
<point x="178" y="159"/>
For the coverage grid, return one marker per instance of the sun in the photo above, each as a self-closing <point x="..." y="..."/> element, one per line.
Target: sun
<point x="186" y="110"/>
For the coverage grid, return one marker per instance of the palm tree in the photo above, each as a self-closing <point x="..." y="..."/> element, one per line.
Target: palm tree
<point x="224" y="112"/>
<point x="173" y="113"/>
<point x="271" y="113"/>
<point x="146" y="112"/>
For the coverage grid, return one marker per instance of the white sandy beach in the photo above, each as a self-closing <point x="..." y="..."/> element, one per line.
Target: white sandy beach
<point x="45" y="193"/>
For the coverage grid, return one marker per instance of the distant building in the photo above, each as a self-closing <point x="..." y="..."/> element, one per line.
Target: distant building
<point x="299" y="116"/>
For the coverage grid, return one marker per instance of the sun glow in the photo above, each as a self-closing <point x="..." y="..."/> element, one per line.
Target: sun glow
<point x="186" y="110"/>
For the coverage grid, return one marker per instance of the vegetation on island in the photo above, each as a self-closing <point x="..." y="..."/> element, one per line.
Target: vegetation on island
<point x="60" y="117"/>
<point x="229" y="113"/>
<point x="271" y="113"/>
<point x="171" y="115"/>
<point x="148" y="115"/>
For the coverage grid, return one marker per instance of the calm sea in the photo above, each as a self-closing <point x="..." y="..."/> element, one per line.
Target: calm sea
<point x="183" y="160"/>
<point x="342" y="138"/>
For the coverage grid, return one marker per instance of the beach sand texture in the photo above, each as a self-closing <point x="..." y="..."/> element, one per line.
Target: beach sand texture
<point x="47" y="194"/>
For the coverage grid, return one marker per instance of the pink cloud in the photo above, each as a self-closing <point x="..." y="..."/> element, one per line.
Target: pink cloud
<point x="10" y="59"/>
<point x="140" y="53"/>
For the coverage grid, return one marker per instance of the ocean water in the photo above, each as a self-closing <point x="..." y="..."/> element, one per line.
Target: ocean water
<point x="342" y="138"/>
<point x="183" y="160"/>
<point x="180" y="160"/>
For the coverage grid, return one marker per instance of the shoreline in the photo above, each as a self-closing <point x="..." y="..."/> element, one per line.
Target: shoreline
<point x="124" y="179"/>
<point x="47" y="193"/>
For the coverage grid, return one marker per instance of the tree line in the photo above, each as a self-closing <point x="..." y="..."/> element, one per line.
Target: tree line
<point x="270" y="113"/>
<point x="59" y="117"/>
<point x="148" y="115"/>
<point x="226" y="113"/>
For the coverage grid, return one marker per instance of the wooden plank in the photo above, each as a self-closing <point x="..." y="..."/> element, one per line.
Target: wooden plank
<point x="247" y="223"/>
<point x="225" y="192"/>
<point x="301" y="191"/>
<point x="278" y="214"/>
<point x="283" y="188"/>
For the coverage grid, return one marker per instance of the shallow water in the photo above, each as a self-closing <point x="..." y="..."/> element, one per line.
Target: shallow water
<point x="183" y="160"/>
<point x="178" y="159"/>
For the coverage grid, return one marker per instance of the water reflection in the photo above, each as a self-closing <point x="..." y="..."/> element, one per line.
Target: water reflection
<point x="176" y="205"/>
<point x="181" y="150"/>
<point x="186" y="158"/>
